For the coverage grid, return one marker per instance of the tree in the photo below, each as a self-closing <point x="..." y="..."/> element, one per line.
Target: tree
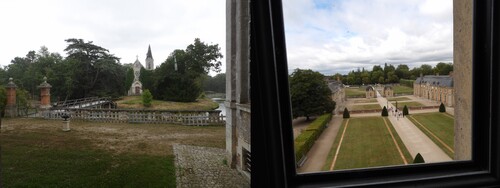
<point x="216" y="83"/>
<point x="426" y="69"/>
<point x="418" y="159"/>
<point x="147" y="98"/>
<point x="384" y="112"/>
<point x="443" y="68"/>
<point x="310" y="94"/>
<point x="94" y="70"/>
<point x="405" y="111"/>
<point x="180" y="77"/>
<point x="3" y="101"/>
<point x="346" y="113"/>
<point x="442" y="108"/>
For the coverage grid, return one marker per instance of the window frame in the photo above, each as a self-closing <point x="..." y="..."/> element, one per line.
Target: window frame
<point x="272" y="134"/>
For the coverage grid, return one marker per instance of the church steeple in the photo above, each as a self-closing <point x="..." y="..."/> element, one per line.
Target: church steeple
<point x="149" y="55"/>
<point x="149" y="59"/>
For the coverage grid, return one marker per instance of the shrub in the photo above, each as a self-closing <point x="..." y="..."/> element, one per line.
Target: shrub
<point x="384" y="112"/>
<point x="306" y="139"/>
<point x="405" y="111"/>
<point x="442" y="108"/>
<point x="346" y="113"/>
<point x="419" y="159"/>
<point x="147" y="98"/>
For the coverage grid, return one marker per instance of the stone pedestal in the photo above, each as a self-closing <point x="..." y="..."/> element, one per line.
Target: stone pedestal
<point x="66" y="126"/>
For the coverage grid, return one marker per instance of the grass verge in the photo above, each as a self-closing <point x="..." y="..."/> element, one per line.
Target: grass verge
<point x="439" y="127"/>
<point x="366" y="143"/>
<point x="135" y="102"/>
<point x="366" y="107"/>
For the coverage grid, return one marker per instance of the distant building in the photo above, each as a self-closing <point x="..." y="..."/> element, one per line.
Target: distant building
<point x="136" y="87"/>
<point x="436" y="88"/>
<point x="388" y="91"/>
<point x="338" y="94"/>
<point x="370" y="92"/>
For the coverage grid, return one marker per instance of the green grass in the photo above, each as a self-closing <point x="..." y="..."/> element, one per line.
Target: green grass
<point x="398" y="99"/>
<point x="44" y="160"/>
<point x="367" y="143"/>
<point x="402" y="90"/>
<point x="366" y="107"/>
<point x="409" y="104"/>
<point x="135" y="102"/>
<point x="365" y="101"/>
<point x="355" y="92"/>
<point x="441" y="125"/>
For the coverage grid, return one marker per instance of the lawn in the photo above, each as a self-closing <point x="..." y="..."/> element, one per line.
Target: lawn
<point x="398" y="99"/>
<point x="408" y="104"/>
<point x="441" y="125"/>
<point x="355" y="92"/>
<point x="402" y="90"/>
<point x="367" y="143"/>
<point x="36" y="153"/>
<point x="136" y="102"/>
<point x="365" y="101"/>
<point x="366" y="107"/>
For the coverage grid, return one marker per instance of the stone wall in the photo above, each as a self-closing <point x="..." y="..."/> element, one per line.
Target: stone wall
<point x="462" y="73"/>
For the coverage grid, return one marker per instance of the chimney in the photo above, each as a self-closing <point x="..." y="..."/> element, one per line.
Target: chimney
<point x="421" y="75"/>
<point x="338" y="79"/>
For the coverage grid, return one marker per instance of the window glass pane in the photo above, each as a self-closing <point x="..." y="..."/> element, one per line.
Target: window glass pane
<point x="373" y="83"/>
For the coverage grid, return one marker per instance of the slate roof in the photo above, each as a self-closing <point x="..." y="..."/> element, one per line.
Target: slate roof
<point x="442" y="81"/>
<point x="370" y="88"/>
<point x="387" y="87"/>
<point x="335" y="86"/>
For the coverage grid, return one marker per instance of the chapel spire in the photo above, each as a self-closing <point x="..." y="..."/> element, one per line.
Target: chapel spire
<point x="149" y="55"/>
<point x="149" y="60"/>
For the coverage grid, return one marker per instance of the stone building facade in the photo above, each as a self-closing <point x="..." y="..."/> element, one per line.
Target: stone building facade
<point x="388" y="91"/>
<point x="436" y="88"/>
<point x="237" y="102"/>
<point x="338" y="94"/>
<point x="370" y="92"/>
<point x="136" y="87"/>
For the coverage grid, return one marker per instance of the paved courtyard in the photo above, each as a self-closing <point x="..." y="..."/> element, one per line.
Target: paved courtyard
<point x="205" y="167"/>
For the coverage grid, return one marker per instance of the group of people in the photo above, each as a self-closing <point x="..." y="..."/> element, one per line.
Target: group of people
<point x="396" y="113"/>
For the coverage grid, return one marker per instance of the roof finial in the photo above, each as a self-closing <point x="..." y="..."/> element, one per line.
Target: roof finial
<point x="136" y="57"/>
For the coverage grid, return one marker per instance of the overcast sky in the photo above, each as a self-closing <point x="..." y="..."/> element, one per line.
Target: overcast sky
<point x="330" y="36"/>
<point x="333" y="36"/>
<point x="124" y="27"/>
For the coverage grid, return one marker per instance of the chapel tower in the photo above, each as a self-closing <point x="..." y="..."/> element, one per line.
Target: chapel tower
<point x="149" y="60"/>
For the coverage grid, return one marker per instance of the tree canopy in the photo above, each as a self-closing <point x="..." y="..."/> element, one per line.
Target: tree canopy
<point x="310" y="94"/>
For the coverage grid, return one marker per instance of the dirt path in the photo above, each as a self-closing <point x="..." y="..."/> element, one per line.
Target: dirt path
<point x="316" y="157"/>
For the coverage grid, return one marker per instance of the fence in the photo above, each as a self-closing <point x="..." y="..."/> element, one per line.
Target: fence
<point x="196" y="118"/>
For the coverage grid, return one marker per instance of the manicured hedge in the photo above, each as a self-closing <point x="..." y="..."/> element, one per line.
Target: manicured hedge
<point x="306" y="139"/>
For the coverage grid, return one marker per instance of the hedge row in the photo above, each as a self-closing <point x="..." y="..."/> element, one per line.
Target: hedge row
<point x="306" y="139"/>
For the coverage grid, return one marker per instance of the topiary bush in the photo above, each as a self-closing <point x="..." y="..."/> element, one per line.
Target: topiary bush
<point x="442" y="108"/>
<point x="384" y="112"/>
<point x="147" y="98"/>
<point x="346" y="113"/>
<point x="418" y="159"/>
<point x="405" y="111"/>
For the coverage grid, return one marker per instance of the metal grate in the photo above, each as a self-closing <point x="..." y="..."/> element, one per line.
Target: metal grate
<point x="247" y="160"/>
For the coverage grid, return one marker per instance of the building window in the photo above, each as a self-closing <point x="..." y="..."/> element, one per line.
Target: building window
<point x="274" y="165"/>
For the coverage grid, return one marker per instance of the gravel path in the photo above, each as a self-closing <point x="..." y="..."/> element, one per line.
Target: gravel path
<point x="205" y="167"/>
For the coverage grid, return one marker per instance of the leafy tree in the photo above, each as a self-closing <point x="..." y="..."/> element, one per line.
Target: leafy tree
<point x="95" y="70"/>
<point x="418" y="159"/>
<point x="346" y="113"/>
<point x="22" y="99"/>
<point x="442" y="108"/>
<point x="3" y="101"/>
<point x="147" y="78"/>
<point x="310" y="94"/>
<point x="129" y="77"/>
<point x="147" y="98"/>
<point x="405" y="111"/>
<point x="426" y="69"/>
<point x="443" y="68"/>
<point x="403" y="71"/>
<point x="384" y="112"/>
<point x="216" y="83"/>
<point x="180" y="77"/>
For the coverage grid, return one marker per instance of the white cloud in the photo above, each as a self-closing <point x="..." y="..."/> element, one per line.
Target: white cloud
<point x="343" y="35"/>
<point x="126" y="28"/>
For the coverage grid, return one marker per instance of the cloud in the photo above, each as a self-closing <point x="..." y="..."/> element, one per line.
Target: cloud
<point x="343" y="35"/>
<point x="126" y="28"/>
